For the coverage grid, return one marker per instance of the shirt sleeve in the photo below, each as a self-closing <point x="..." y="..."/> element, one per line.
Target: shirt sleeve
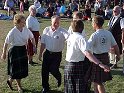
<point x="83" y="45"/>
<point x="91" y="42"/>
<point x="9" y="37"/>
<point x="30" y="34"/>
<point x="122" y="23"/>
<point x="28" y="23"/>
<point x="43" y="35"/>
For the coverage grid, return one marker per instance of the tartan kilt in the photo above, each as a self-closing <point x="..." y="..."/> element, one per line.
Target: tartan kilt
<point x="74" y="78"/>
<point x="30" y="45"/>
<point x="17" y="62"/>
<point x="97" y="74"/>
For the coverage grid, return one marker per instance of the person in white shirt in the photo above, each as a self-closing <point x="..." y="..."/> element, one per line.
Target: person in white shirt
<point x="17" y="54"/>
<point x="53" y="40"/>
<point x="37" y="4"/>
<point x="100" y="42"/>
<point x="34" y="26"/>
<point x="77" y="49"/>
<point x="77" y="16"/>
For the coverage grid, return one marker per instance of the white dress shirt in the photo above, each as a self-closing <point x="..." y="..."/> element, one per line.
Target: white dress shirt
<point x="54" y="40"/>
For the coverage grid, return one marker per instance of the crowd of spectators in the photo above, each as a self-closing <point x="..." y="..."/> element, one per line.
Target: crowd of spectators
<point x="48" y="8"/>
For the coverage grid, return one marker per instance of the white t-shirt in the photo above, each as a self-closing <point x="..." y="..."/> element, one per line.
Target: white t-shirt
<point x="54" y="40"/>
<point x="101" y="41"/>
<point x="76" y="45"/>
<point x="17" y="38"/>
<point x="32" y="22"/>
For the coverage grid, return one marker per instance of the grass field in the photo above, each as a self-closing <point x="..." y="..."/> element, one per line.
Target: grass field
<point x="32" y="84"/>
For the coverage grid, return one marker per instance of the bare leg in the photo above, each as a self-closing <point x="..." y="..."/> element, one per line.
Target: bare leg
<point x="101" y="88"/>
<point x="95" y="87"/>
<point x="18" y="81"/>
<point x="9" y="82"/>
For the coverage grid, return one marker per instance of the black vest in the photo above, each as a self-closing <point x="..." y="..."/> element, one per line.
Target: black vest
<point x="117" y="32"/>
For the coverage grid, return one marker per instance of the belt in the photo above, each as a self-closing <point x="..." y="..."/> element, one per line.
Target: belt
<point x="50" y="52"/>
<point x="101" y="54"/>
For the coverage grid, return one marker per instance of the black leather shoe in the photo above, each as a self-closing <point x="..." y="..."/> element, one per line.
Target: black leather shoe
<point x="45" y="90"/>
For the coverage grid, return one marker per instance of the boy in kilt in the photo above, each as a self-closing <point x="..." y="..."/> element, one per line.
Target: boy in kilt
<point x="77" y="49"/>
<point x="101" y="42"/>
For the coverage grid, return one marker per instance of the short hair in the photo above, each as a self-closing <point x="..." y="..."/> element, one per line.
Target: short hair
<point x="55" y="16"/>
<point x="78" y="15"/>
<point x="18" y="18"/>
<point x="31" y="7"/>
<point x="118" y="8"/>
<point x="77" y="26"/>
<point x="98" y="20"/>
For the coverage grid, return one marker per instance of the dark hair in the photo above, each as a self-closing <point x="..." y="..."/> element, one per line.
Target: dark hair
<point x="78" y="15"/>
<point x="98" y="20"/>
<point x="77" y="26"/>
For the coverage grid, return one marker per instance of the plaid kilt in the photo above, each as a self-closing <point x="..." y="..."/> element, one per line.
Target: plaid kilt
<point x="30" y="45"/>
<point x="17" y="62"/>
<point x="74" y="78"/>
<point x="97" y="74"/>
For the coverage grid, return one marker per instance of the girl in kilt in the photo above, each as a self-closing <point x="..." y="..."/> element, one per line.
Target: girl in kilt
<point x="101" y="41"/>
<point x="17" y="53"/>
<point x="77" y="49"/>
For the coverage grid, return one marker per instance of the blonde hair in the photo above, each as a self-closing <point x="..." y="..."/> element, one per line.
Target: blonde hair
<point x="18" y="18"/>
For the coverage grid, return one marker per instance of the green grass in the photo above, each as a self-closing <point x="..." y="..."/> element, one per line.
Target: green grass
<point x="32" y="83"/>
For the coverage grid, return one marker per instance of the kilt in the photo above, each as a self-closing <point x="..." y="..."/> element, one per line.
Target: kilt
<point x="17" y="62"/>
<point x="30" y="45"/>
<point x="97" y="74"/>
<point x="74" y="78"/>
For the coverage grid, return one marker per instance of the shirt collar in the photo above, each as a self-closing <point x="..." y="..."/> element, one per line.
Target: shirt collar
<point x="55" y="30"/>
<point x="117" y="16"/>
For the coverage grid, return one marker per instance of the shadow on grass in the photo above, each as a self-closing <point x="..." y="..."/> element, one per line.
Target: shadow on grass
<point x="34" y="91"/>
<point x="117" y="72"/>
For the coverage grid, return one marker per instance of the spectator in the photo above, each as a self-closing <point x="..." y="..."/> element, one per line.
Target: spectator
<point x="17" y="54"/>
<point x="87" y="13"/>
<point x="68" y="13"/>
<point x="116" y="26"/>
<point x="21" y="6"/>
<point x="74" y="6"/>
<point x="108" y="13"/>
<point x="40" y="11"/>
<point x="9" y="5"/>
<point x="37" y="4"/>
<point x="50" y="11"/>
<point x="100" y="12"/>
